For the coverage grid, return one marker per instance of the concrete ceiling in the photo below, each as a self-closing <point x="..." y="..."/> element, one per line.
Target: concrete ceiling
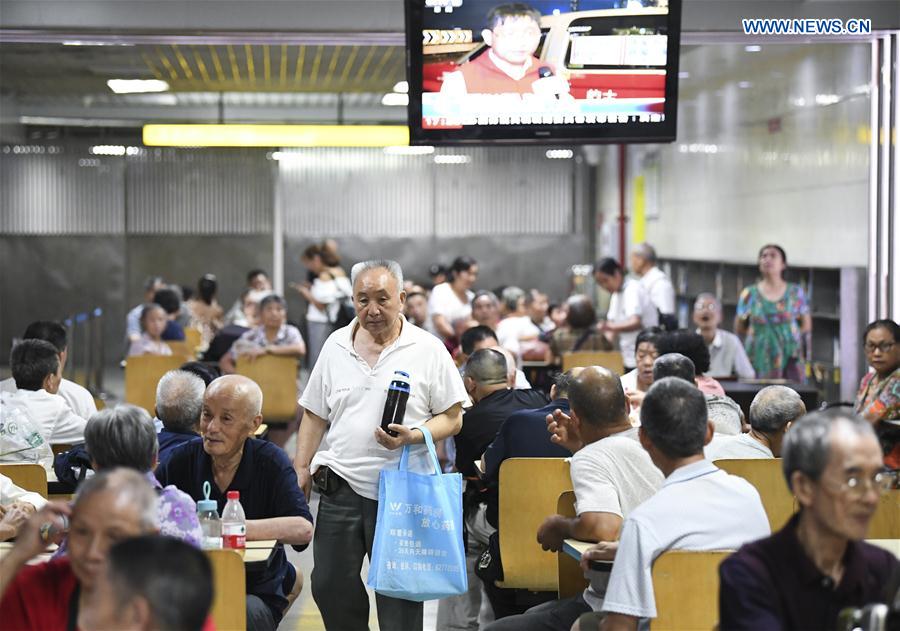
<point x="259" y="60"/>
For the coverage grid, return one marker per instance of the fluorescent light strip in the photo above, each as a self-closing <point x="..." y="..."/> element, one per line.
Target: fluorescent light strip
<point x="451" y="159"/>
<point x="137" y="86"/>
<point x="275" y="135"/>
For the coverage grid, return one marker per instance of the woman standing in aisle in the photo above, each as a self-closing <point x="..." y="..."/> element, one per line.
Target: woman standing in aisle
<point x="774" y="317"/>
<point x="327" y="287"/>
<point x="452" y="300"/>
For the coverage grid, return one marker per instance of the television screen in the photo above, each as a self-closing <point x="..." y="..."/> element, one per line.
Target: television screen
<point x="576" y="71"/>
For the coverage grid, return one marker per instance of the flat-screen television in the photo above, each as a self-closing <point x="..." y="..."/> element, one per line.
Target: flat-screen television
<point x="563" y="71"/>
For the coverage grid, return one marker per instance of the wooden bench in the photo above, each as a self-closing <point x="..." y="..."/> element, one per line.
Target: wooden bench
<point x="529" y="493"/>
<point x="686" y="590"/>
<point x="607" y="359"/>
<point x="142" y="374"/>
<point x="229" y="608"/>
<point x="570" y="576"/>
<point x="31" y="477"/>
<point x="886" y="522"/>
<point x="767" y="478"/>
<point x="277" y="377"/>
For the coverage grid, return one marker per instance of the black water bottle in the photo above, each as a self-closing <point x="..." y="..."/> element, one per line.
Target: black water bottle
<point x="395" y="404"/>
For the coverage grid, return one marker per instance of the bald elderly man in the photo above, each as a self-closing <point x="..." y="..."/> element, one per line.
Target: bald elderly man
<point x="231" y="460"/>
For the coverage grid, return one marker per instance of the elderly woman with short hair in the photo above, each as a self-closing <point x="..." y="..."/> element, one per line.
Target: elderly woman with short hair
<point x="125" y="436"/>
<point x="109" y="507"/>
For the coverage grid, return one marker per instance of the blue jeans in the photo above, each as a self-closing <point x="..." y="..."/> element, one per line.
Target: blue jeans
<point x="345" y="528"/>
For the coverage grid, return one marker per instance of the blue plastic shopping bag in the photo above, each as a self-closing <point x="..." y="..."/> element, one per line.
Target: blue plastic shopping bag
<point x="418" y="551"/>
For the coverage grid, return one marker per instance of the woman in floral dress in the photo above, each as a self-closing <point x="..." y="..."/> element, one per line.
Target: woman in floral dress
<point x="774" y="316"/>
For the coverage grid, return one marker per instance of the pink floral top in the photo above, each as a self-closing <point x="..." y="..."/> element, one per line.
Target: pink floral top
<point x="879" y="399"/>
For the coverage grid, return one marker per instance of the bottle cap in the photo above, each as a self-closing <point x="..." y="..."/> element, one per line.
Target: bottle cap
<point x="400" y="372"/>
<point x="234" y="495"/>
<point x="207" y="505"/>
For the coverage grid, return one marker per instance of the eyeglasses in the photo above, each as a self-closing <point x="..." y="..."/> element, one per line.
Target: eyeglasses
<point x="856" y="486"/>
<point x="710" y="306"/>
<point x="884" y="347"/>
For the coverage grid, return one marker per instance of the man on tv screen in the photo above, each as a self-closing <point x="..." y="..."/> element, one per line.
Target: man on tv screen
<point x="508" y="66"/>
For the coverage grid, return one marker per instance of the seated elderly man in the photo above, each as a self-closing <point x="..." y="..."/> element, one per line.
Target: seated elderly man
<point x="478" y="337"/>
<point x="179" y="401"/>
<point x="109" y="507"/>
<point x="485" y="309"/>
<point x="715" y="510"/>
<point x="727" y="357"/>
<point x="773" y="410"/>
<point x="724" y="413"/>
<point x="231" y="460"/>
<point x="805" y="574"/>
<point x="79" y="399"/>
<point x="611" y="474"/>
<point x="416" y="310"/>
<point x="16" y="505"/>
<point x="150" y="582"/>
<point x="38" y="372"/>
<point x="125" y="436"/>
<point x="524" y="433"/>
<point x="487" y="382"/>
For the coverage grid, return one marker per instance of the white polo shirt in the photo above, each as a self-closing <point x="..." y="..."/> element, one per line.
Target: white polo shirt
<point x="631" y="300"/>
<point x="660" y="290"/>
<point x="79" y="399"/>
<point x="344" y="390"/>
<point x="699" y="507"/>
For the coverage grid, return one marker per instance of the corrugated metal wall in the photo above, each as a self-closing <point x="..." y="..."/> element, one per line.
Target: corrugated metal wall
<point x="56" y="190"/>
<point x="183" y="191"/>
<point x="340" y="192"/>
<point x="336" y="192"/>
<point x="346" y="192"/>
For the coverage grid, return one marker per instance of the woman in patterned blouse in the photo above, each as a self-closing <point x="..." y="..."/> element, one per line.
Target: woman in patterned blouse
<point x="878" y="397"/>
<point x="774" y="316"/>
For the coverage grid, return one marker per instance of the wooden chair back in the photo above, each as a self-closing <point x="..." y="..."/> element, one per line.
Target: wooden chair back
<point x="182" y="348"/>
<point x="686" y="589"/>
<point x="886" y="522"/>
<point x="192" y="338"/>
<point x="142" y="373"/>
<point x="528" y="494"/>
<point x="31" y="477"/>
<point x="570" y="575"/>
<point x="229" y="608"/>
<point x="766" y="476"/>
<point x="607" y="359"/>
<point x="277" y="376"/>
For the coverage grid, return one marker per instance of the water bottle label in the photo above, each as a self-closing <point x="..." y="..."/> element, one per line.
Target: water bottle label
<point x="234" y="536"/>
<point x="211" y="543"/>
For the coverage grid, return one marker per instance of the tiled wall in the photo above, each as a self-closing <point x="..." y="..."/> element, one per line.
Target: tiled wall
<point x="772" y="147"/>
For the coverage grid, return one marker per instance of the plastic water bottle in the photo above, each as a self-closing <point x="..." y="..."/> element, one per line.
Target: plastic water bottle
<point x="234" y="524"/>
<point x="395" y="404"/>
<point x="210" y="524"/>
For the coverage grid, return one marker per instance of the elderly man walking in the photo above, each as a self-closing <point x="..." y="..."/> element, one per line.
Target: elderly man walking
<point x="346" y="395"/>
